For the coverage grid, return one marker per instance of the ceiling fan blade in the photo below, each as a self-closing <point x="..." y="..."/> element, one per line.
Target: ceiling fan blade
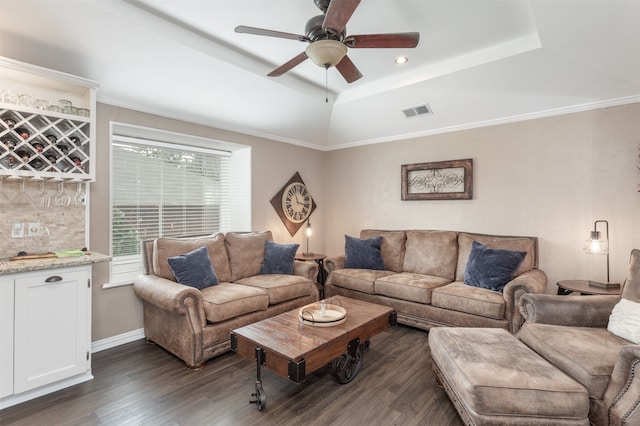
<point x="391" y="40"/>
<point x="288" y="65"/>
<point x="338" y="13"/>
<point x="262" y="32"/>
<point x="348" y="70"/>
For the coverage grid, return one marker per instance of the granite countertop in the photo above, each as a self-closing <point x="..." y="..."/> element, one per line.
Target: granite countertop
<point x="15" y="266"/>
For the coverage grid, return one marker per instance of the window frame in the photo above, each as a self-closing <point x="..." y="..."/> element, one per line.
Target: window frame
<point x="236" y="218"/>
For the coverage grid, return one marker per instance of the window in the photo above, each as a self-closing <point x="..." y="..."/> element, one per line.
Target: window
<point x="171" y="185"/>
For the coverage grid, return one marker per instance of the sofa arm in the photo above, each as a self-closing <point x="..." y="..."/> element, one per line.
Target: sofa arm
<point x="334" y="262"/>
<point x="622" y="395"/>
<point x="575" y="311"/>
<point x="531" y="281"/>
<point x="306" y="269"/>
<point x="169" y="295"/>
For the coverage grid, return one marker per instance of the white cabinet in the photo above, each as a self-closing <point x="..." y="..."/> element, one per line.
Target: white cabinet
<point x="51" y="332"/>
<point x="6" y="337"/>
<point x="52" y="339"/>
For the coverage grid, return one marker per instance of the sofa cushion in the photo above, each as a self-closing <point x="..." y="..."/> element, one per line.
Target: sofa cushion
<point x="166" y="247"/>
<point x="460" y="297"/>
<point x="229" y="300"/>
<point x="392" y="247"/>
<point x="625" y="320"/>
<point x="193" y="269"/>
<point x="528" y="244"/>
<point x="431" y="253"/>
<point x="246" y="252"/>
<point x="491" y="268"/>
<point x="358" y="279"/>
<point x="363" y="254"/>
<point x="279" y="287"/>
<point x="278" y="258"/>
<point x="585" y="353"/>
<point x="409" y="286"/>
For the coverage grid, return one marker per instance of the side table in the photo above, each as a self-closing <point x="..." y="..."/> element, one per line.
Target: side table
<point x="322" y="274"/>
<point x="582" y="286"/>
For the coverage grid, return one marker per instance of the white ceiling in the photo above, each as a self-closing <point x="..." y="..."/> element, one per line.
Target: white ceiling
<point x="478" y="62"/>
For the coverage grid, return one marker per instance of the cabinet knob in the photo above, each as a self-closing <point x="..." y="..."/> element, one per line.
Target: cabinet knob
<point x="53" y="279"/>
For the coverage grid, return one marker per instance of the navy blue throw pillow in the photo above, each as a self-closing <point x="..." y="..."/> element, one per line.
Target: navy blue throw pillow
<point x="363" y="254"/>
<point x="491" y="268"/>
<point x="194" y="269"/>
<point x="278" y="258"/>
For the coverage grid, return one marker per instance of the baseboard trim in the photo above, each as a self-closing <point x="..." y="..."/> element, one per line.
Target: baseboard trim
<point x="12" y="400"/>
<point x="120" y="339"/>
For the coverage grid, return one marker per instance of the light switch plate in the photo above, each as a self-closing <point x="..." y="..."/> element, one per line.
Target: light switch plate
<point x="17" y="230"/>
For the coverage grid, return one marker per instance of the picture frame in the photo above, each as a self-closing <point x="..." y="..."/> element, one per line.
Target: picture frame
<point x="441" y="180"/>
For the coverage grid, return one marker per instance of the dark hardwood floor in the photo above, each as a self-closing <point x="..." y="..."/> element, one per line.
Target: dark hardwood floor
<point x="141" y="384"/>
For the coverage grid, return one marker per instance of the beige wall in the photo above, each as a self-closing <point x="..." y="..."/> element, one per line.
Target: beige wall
<point x="550" y="178"/>
<point x="117" y="310"/>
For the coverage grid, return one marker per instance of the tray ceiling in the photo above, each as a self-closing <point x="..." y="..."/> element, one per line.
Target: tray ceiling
<point x="477" y="63"/>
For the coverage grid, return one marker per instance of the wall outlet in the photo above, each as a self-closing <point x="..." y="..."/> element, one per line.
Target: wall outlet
<point x="17" y="230"/>
<point x="33" y="229"/>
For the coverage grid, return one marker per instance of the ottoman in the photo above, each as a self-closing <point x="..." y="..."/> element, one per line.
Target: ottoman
<point x="494" y="379"/>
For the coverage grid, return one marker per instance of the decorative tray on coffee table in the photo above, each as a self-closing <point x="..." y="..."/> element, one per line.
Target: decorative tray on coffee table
<point x="322" y="314"/>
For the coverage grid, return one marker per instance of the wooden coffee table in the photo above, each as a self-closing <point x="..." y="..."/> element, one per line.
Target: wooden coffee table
<point x="293" y="350"/>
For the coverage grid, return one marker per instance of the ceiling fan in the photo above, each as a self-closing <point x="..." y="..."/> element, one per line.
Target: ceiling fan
<point x="328" y="42"/>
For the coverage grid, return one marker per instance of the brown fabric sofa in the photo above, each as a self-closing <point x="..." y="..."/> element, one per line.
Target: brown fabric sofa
<point x="424" y="274"/>
<point x="194" y="324"/>
<point x="571" y="333"/>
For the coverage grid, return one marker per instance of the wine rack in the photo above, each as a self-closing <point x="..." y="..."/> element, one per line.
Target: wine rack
<point x="46" y="141"/>
<point x="44" y="144"/>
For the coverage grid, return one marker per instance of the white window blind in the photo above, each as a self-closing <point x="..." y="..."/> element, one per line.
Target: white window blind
<point x="161" y="189"/>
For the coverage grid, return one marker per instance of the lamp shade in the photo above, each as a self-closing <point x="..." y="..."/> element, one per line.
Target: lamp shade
<point x="308" y="233"/>
<point x="596" y="244"/>
<point x="326" y="53"/>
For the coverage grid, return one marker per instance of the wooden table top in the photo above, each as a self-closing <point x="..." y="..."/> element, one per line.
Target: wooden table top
<point x="286" y="336"/>
<point x="583" y="287"/>
<point x="314" y="256"/>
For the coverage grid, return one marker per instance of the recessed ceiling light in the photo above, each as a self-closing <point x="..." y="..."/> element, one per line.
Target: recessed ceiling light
<point x="401" y="60"/>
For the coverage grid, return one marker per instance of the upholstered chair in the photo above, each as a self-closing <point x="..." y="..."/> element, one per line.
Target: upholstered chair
<point x="573" y="333"/>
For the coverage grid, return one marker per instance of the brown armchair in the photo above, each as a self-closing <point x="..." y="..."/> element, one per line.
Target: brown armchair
<point x="571" y="333"/>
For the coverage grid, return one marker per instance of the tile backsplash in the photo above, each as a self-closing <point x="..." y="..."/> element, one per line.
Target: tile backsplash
<point x="61" y="228"/>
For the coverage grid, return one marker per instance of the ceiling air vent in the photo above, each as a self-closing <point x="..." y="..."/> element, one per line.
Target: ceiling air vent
<point x="417" y="110"/>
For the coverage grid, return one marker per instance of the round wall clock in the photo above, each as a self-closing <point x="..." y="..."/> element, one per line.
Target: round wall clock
<point x="296" y="202"/>
<point x="293" y="203"/>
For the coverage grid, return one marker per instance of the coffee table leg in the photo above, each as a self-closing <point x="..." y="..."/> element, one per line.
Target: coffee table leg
<point x="260" y="397"/>
<point x="347" y="367"/>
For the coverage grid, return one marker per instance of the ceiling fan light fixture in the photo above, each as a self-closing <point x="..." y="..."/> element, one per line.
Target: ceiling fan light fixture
<point x="326" y="53"/>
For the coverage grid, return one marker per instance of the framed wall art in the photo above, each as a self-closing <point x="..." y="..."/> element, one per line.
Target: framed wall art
<point x="442" y="180"/>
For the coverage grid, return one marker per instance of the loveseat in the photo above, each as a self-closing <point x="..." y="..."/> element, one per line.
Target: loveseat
<point x="423" y="277"/>
<point x="195" y="324"/>
<point x="596" y="341"/>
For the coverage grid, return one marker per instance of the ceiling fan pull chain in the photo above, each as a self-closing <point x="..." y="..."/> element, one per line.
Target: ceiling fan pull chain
<point x="326" y="83"/>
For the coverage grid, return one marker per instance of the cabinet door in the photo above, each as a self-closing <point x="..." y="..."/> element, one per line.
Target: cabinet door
<point x="51" y="326"/>
<point x="6" y="337"/>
